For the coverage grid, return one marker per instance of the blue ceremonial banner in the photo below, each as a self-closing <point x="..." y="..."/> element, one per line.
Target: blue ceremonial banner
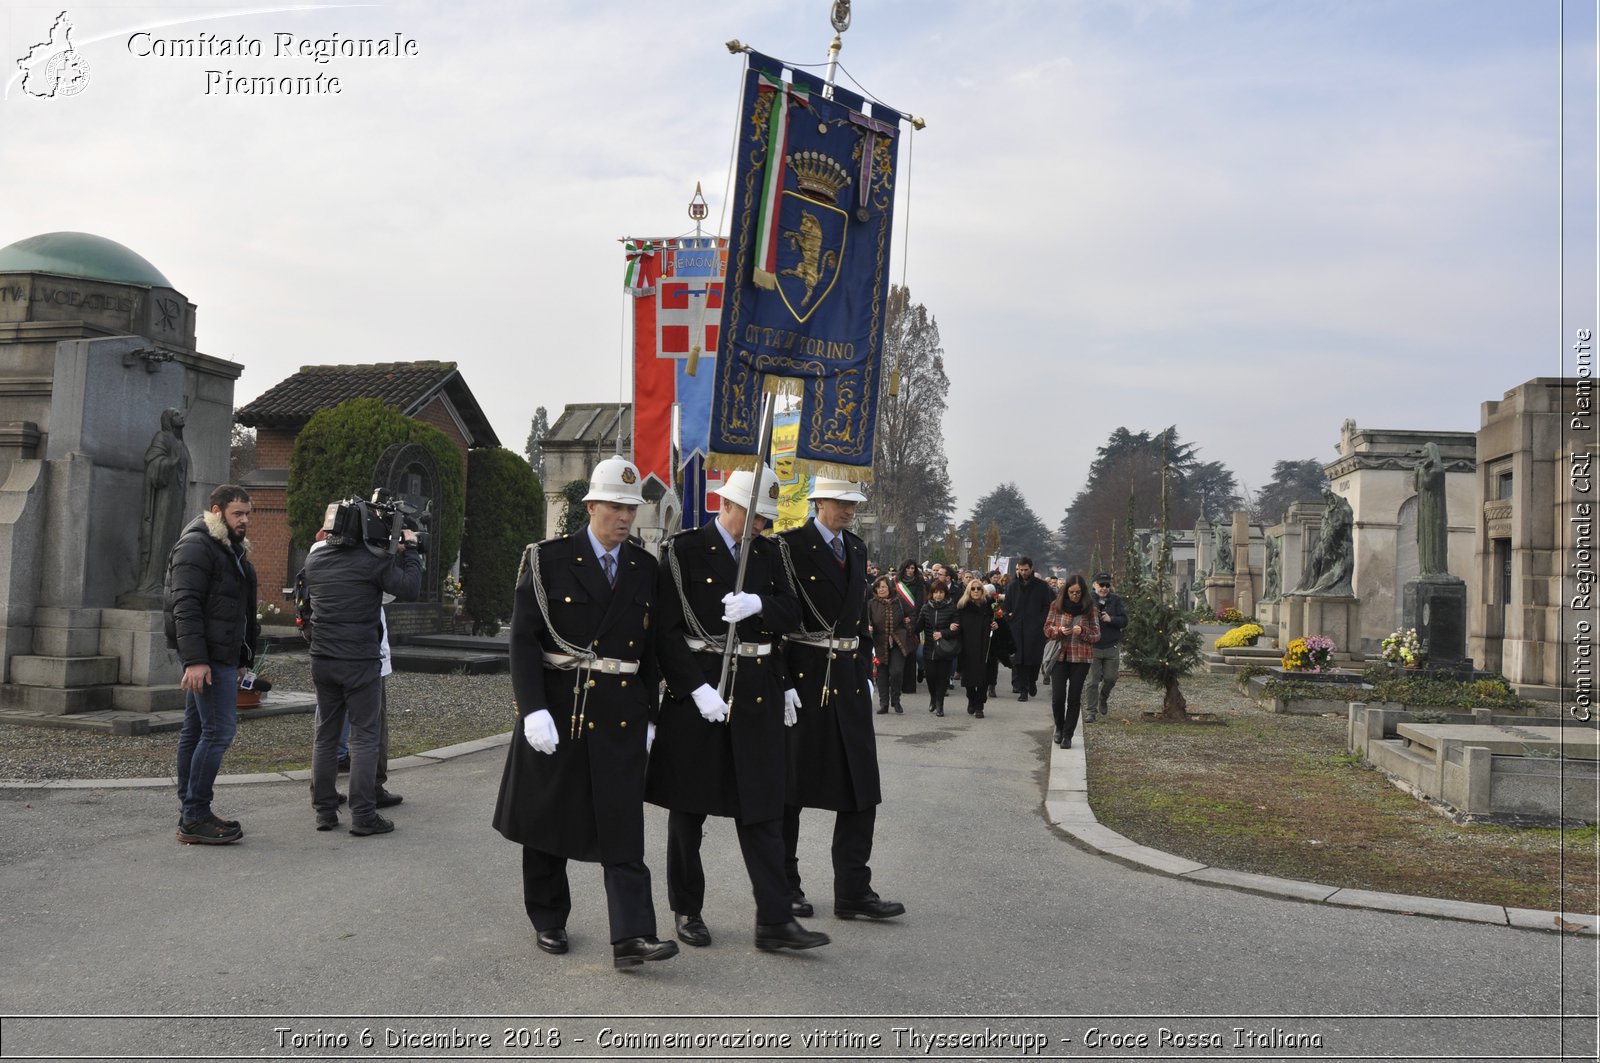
<point x="808" y="270"/>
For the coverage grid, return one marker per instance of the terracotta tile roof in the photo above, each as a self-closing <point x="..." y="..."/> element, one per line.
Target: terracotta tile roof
<point x="407" y="386"/>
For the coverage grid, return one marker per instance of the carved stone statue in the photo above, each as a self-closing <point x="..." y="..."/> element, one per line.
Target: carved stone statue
<point x="1222" y="556"/>
<point x="166" y="485"/>
<point x="1333" y="560"/>
<point x="1273" y="588"/>
<point x="1433" y="525"/>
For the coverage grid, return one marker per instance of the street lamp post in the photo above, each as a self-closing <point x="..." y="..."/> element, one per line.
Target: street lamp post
<point x="922" y="526"/>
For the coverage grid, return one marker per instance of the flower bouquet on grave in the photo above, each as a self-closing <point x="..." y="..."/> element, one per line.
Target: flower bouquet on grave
<point x="1404" y="648"/>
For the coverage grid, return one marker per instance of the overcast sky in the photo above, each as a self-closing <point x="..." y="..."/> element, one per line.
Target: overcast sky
<point x="1251" y="219"/>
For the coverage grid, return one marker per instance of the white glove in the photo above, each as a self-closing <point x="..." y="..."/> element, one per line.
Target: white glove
<point x="791" y="707"/>
<point x="649" y="736"/>
<point x="712" y="708"/>
<point x="872" y="691"/>
<point x="736" y="607"/>
<point x="539" y="728"/>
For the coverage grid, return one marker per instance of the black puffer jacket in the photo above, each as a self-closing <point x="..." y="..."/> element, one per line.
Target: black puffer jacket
<point x="346" y="585"/>
<point x="210" y="596"/>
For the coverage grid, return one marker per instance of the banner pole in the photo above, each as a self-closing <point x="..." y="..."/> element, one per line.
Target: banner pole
<point x="763" y="458"/>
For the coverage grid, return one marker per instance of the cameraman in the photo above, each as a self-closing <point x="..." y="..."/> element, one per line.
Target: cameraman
<point x="346" y="581"/>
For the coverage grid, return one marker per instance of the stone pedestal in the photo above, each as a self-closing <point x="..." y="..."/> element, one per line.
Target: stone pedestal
<point x="1219" y="592"/>
<point x="1437" y="607"/>
<point x="1335" y="617"/>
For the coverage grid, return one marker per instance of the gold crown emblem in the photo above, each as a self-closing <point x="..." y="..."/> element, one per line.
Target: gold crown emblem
<point x="818" y="176"/>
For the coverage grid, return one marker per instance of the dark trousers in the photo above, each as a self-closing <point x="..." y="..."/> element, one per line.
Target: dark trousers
<point x="852" y="848"/>
<point x="1066" y="694"/>
<point x="891" y="673"/>
<point x="913" y="670"/>
<point x="762" y="846"/>
<point x="938" y="669"/>
<point x="353" y="690"/>
<point x="547" y="896"/>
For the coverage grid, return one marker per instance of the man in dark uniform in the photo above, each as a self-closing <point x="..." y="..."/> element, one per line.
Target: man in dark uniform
<point x="725" y="758"/>
<point x="582" y="669"/>
<point x="833" y="752"/>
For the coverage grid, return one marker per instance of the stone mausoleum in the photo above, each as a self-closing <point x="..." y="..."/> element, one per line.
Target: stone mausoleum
<point x="95" y="345"/>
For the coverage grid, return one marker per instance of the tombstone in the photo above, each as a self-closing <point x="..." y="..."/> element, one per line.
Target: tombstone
<point x="1375" y="471"/>
<point x="97" y="346"/>
<point x="1323" y="602"/>
<point x="1436" y="601"/>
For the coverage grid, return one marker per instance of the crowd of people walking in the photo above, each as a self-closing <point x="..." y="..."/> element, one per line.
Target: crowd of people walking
<point x="957" y="627"/>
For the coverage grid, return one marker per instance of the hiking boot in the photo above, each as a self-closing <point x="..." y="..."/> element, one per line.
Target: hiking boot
<point x="373" y="824"/>
<point x="327" y="820"/>
<point x="207" y="832"/>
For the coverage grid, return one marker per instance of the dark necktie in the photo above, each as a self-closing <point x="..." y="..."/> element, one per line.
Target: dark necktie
<point x="609" y="563"/>
<point x="838" y="548"/>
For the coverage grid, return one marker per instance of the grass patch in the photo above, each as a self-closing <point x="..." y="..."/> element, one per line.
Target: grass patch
<point x="1280" y="795"/>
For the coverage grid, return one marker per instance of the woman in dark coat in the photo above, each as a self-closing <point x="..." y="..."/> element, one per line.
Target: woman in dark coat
<point x="936" y="622"/>
<point x="892" y="641"/>
<point x="912" y="591"/>
<point x="975" y="628"/>
<point x="1000" y="646"/>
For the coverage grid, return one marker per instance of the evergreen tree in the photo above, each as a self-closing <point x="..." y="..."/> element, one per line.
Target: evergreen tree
<point x="1292" y="481"/>
<point x="334" y="457"/>
<point x="535" y="446"/>
<point x="1132" y="462"/>
<point x="1022" y="533"/>
<point x="505" y="511"/>
<point x="1156" y="645"/>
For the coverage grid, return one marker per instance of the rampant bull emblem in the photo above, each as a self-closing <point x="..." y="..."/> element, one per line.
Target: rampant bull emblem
<point x="812" y="238"/>
<point x="813" y="260"/>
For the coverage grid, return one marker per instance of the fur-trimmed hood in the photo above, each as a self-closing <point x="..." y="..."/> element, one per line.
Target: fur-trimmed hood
<point x="219" y="530"/>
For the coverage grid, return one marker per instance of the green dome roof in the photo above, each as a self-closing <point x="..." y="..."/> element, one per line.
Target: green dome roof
<point x="80" y="255"/>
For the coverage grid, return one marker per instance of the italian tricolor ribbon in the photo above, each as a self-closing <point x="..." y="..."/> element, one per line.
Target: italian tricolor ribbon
<point x="766" y="256"/>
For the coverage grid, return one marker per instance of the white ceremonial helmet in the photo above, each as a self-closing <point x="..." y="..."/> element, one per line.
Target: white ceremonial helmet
<point x="843" y="490"/>
<point x="736" y="489"/>
<point x="615" y="480"/>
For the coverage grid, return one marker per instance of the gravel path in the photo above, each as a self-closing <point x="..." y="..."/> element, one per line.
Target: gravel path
<point x="425" y="712"/>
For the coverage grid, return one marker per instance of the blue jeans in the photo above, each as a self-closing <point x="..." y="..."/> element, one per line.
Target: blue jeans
<point x="210" y="719"/>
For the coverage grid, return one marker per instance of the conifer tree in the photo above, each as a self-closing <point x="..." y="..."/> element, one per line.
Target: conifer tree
<point x="1157" y="646"/>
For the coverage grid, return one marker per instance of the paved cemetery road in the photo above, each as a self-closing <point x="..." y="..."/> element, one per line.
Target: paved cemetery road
<point x="294" y="939"/>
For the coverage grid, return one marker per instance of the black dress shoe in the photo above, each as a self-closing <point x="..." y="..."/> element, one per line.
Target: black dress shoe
<point x="800" y="907"/>
<point x="387" y="798"/>
<point x="883" y="712"/>
<point x="869" y="907"/>
<point x="978" y="715"/>
<point x="1066" y="743"/>
<point x="631" y="952"/>
<point x="553" y="941"/>
<point x="692" y="930"/>
<point x="897" y="708"/>
<point x="1022" y="697"/>
<point x="790" y="935"/>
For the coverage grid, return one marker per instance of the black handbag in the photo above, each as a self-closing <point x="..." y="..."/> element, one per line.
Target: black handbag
<point x="946" y="648"/>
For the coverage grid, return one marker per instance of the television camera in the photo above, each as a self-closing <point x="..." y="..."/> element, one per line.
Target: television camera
<point x="377" y="523"/>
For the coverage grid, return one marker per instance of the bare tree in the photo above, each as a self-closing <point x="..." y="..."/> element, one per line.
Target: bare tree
<point x="241" y="453"/>
<point x="911" y="476"/>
